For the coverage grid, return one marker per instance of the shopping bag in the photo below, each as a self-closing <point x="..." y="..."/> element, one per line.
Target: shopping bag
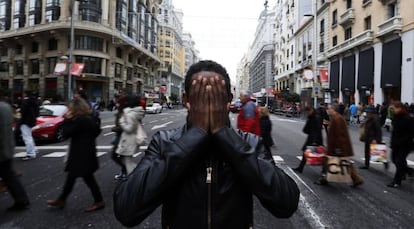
<point x="339" y="169"/>
<point x="378" y="152"/>
<point x="141" y="136"/>
<point x="315" y="155"/>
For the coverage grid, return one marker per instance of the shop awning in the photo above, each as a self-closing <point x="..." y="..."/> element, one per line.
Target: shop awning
<point x="391" y="64"/>
<point x="334" y="76"/>
<point x="348" y="74"/>
<point x="366" y="69"/>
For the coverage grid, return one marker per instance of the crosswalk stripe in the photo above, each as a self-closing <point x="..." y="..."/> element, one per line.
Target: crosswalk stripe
<point x="278" y="159"/>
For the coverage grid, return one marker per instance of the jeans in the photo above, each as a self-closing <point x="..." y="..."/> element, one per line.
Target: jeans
<point x="28" y="140"/>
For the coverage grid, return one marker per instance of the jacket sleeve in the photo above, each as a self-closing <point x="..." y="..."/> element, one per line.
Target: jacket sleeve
<point x="277" y="192"/>
<point x="158" y="171"/>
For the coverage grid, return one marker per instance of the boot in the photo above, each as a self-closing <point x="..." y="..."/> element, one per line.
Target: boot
<point x="356" y="179"/>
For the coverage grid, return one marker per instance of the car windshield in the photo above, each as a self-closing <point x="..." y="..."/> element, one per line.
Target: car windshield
<point x="52" y="110"/>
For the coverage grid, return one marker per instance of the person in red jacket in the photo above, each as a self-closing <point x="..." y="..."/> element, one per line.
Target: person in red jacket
<point x="248" y="119"/>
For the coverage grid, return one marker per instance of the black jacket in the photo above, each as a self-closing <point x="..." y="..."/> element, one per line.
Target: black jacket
<point x="29" y="110"/>
<point x="266" y="131"/>
<point x="402" y="132"/>
<point x="313" y="128"/>
<point x="175" y="173"/>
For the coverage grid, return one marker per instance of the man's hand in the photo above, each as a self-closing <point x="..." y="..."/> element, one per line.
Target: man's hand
<point x="198" y="103"/>
<point x="218" y="99"/>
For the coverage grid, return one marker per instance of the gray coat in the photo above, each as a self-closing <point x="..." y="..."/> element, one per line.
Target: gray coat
<point x="129" y="122"/>
<point x="6" y="132"/>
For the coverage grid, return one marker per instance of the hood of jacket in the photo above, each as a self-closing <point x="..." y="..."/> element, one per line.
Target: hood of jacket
<point x="137" y="113"/>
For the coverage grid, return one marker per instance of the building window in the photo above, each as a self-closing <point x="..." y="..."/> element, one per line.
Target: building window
<point x="18" y="50"/>
<point x="34" y="66"/>
<point x="132" y="19"/>
<point x="5" y="14"/>
<point x="334" y="17"/>
<point x="3" y="51"/>
<point x="322" y="26"/>
<point x="52" y="10"/>
<point x="35" y="12"/>
<point x="348" y="33"/>
<point x="51" y="63"/>
<point x="119" y="53"/>
<point x="348" y="4"/>
<point x="89" y="43"/>
<point x="321" y="47"/>
<point x="129" y="73"/>
<point x="35" y="47"/>
<point x="18" y="66"/>
<point x="121" y="15"/>
<point x="334" y="40"/>
<point x="90" y="10"/>
<point x="52" y="44"/>
<point x="92" y="64"/>
<point x="367" y="22"/>
<point x="19" y="18"/>
<point x="118" y="70"/>
<point x="392" y="10"/>
<point x="4" y="67"/>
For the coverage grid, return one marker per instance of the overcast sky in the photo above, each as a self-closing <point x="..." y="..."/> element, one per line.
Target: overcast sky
<point x="222" y="29"/>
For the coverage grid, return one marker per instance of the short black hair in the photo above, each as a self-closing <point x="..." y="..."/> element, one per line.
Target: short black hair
<point x="206" y="65"/>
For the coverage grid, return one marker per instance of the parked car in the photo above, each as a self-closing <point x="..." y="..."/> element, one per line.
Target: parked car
<point x="153" y="108"/>
<point x="235" y="106"/>
<point x="49" y="123"/>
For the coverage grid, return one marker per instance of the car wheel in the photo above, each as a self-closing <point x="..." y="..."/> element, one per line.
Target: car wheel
<point x="59" y="134"/>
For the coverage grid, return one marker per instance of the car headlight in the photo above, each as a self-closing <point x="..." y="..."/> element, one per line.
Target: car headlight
<point x="42" y="126"/>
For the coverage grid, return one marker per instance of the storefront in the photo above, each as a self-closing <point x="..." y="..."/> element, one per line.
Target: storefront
<point x="391" y="70"/>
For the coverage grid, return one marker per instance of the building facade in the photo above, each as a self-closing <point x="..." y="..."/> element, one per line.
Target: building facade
<point x="118" y="47"/>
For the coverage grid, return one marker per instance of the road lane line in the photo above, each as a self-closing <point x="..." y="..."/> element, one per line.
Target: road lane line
<point x="109" y="133"/>
<point x="316" y="221"/>
<point x="107" y="126"/>
<point x="278" y="159"/>
<point x="137" y="154"/>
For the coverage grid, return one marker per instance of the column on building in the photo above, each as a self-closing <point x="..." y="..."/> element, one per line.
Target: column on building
<point x="407" y="68"/>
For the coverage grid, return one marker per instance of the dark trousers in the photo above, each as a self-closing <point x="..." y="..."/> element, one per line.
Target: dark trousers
<point x="13" y="183"/>
<point x="118" y="160"/>
<point x="89" y="181"/>
<point x="399" y="158"/>
<point x="367" y="153"/>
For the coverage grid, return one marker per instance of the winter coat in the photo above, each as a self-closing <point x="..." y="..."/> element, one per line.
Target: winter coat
<point x="372" y="130"/>
<point x="129" y="121"/>
<point x="29" y="111"/>
<point x="200" y="178"/>
<point x="266" y="131"/>
<point x="6" y="132"/>
<point x="82" y="131"/>
<point x="339" y="142"/>
<point x="248" y="118"/>
<point x="313" y="128"/>
<point x="402" y="132"/>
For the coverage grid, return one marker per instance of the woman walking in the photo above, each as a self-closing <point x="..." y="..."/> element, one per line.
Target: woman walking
<point x="373" y="133"/>
<point x="81" y="159"/>
<point x="117" y="129"/>
<point x="266" y="128"/>
<point x="313" y="128"/>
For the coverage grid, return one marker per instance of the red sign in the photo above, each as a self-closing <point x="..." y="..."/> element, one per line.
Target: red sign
<point x="77" y="69"/>
<point x="323" y="74"/>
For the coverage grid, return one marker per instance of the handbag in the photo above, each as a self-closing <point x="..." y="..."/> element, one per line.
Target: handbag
<point x="315" y="155"/>
<point x="339" y="169"/>
<point x="141" y="136"/>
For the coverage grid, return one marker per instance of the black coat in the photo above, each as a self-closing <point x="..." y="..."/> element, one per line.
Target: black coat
<point x="82" y="159"/>
<point x="313" y="128"/>
<point x="373" y="130"/>
<point x="174" y="173"/>
<point x="402" y="132"/>
<point x="29" y="110"/>
<point x="266" y="131"/>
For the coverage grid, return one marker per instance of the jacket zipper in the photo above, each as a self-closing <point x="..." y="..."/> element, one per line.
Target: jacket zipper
<point x="208" y="182"/>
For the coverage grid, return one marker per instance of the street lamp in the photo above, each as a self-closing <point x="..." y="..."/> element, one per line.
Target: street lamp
<point x="314" y="54"/>
<point x="72" y="34"/>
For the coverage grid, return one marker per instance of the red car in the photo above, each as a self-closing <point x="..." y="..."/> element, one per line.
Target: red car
<point x="49" y="123"/>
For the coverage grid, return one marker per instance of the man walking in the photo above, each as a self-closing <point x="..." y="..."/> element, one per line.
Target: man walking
<point x="29" y="112"/>
<point x="248" y="119"/>
<point x="7" y="173"/>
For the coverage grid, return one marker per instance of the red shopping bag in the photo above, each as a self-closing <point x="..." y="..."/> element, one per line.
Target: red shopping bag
<point x="378" y="152"/>
<point x="315" y="155"/>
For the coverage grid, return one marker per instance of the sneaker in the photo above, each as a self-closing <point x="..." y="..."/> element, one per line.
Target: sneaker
<point x="27" y="158"/>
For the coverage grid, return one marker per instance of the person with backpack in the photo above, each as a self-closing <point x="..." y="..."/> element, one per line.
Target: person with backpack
<point x="29" y="112"/>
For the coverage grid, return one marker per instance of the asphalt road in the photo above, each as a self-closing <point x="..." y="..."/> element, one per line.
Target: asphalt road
<point x="372" y="205"/>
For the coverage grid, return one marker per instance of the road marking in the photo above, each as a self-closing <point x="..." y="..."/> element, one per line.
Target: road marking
<point x="58" y="147"/>
<point x="107" y="126"/>
<point x="278" y="159"/>
<point x="137" y="154"/>
<point x="54" y="154"/>
<point x="109" y="133"/>
<point x="161" y="126"/>
<point x="153" y="121"/>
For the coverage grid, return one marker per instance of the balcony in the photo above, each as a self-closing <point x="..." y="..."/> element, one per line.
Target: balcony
<point x="390" y="26"/>
<point x="347" y="18"/>
<point x="358" y="40"/>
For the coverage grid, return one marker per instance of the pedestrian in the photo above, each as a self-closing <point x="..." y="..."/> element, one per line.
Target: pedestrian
<point x="82" y="161"/>
<point x="325" y="117"/>
<point x="372" y="133"/>
<point x="117" y="129"/>
<point x="360" y="109"/>
<point x="10" y="180"/>
<point x="132" y="116"/>
<point x="314" y="131"/>
<point x="29" y="112"/>
<point x="353" y="110"/>
<point x="248" y="117"/>
<point x="401" y="142"/>
<point x="205" y="173"/>
<point x="94" y="106"/>
<point x="339" y="144"/>
<point x="266" y="128"/>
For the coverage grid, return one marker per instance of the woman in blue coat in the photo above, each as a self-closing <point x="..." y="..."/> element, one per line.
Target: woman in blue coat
<point x="82" y="161"/>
